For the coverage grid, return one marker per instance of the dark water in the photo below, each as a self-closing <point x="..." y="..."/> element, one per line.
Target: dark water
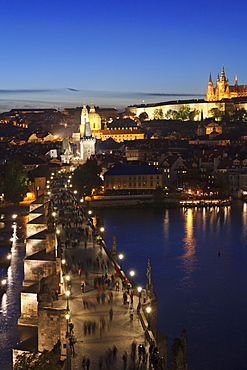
<point x="10" y="303"/>
<point x="198" y="290"/>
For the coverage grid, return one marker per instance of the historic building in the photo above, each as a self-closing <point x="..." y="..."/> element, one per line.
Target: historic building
<point x="132" y="177"/>
<point x="223" y="90"/>
<point x="223" y="96"/>
<point x="87" y="143"/>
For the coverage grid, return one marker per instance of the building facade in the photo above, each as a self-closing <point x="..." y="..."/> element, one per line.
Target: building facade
<point x="222" y="89"/>
<point x="132" y="177"/>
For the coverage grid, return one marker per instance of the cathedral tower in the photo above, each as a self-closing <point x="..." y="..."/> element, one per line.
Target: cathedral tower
<point x="210" y="89"/>
<point x="87" y="143"/>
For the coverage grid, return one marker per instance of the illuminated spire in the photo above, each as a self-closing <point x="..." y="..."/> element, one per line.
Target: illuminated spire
<point x="236" y="80"/>
<point x="210" y="78"/>
<point x="84" y="114"/>
<point x="92" y="108"/>
<point x="222" y="76"/>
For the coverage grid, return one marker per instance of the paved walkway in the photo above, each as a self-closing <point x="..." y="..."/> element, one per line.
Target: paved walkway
<point x="95" y="333"/>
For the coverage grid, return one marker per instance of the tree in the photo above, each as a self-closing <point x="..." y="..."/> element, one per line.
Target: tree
<point x="172" y="114"/>
<point x="158" y="114"/>
<point x="216" y="113"/>
<point x="240" y="115"/>
<point x="86" y="177"/>
<point x="31" y="361"/>
<point x="193" y="114"/>
<point x="15" y="182"/>
<point x="223" y="184"/>
<point x="184" y="113"/>
<point x="143" y="116"/>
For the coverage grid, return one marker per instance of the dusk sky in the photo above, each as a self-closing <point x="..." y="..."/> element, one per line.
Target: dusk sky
<point x="117" y="47"/>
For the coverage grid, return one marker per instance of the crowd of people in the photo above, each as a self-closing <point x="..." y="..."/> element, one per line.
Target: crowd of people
<point x="97" y="272"/>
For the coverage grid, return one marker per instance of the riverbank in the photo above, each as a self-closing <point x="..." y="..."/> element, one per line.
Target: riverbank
<point x="136" y="202"/>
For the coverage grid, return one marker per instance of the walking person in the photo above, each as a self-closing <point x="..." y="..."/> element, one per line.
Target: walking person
<point x="88" y="363"/>
<point x="131" y="312"/>
<point x="71" y="344"/>
<point x="111" y="314"/>
<point x="71" y="328"/>
<point x="125" y="358"/>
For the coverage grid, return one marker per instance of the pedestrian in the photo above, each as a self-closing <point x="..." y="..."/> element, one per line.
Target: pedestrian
<point x="88" y="363"/>
<point x="114" y="353"/>
<point x="111" y="314"/>
<point x="71" y="328"/>
<point x="84" y="362"/>
<point x="131" y="312"/>
<point x="56" y="294"/>
<point x="82" y="287"/>
<point x="125" y="358"/>
<point x="71" y="344"/>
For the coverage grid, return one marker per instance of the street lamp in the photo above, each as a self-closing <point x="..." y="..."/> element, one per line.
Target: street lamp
<point x="14" y="216"/>
<point x="148" y="310"/>
<point x="139" y="289"/>
<point x="67" y="293"/>
<point x="121" y="257"/>
<point x="67" y="316"/>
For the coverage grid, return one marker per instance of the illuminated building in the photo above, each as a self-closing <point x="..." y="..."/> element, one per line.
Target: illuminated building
<point x="223" y="90"/>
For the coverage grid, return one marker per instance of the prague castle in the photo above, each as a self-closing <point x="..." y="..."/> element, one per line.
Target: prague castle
<point x="223" y="90"/>
<point x="223" y="96"/>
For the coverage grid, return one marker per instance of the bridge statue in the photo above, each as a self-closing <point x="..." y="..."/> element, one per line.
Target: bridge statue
<point x="148" y="274"/>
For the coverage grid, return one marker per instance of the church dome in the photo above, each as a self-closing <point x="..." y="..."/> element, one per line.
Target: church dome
<point x="94" y="119"/>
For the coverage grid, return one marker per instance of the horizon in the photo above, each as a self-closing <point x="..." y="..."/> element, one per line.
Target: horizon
<point x="115" y="48"/>
<point x="72" y="98"/>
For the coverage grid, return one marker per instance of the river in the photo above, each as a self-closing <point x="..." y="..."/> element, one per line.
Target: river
<point x="197" y="289"/>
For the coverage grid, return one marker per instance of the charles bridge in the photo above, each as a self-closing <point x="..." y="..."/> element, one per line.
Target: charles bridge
<point x="77" y="301"/>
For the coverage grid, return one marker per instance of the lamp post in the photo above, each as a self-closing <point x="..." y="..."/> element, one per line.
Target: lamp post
<point x="139" y="289"/>
<point x="67" y="316"/>
<point x="132" y="274"/>
<point x="103" y="233"/>
<point x="67" y="278"/>
<point x="148" y="310"/>
<point x="67" y="293"/>
<point x="121" y="257"/>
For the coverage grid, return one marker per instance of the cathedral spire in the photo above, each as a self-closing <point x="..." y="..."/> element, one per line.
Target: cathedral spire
<point x="222" y="76"/>
<point x="92" y="108"/>
<point x="210" y="78"/>
<point x="84" y="114"/>
<point x="236" y="80"/>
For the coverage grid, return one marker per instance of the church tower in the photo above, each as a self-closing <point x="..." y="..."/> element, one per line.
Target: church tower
<point x="87" y="143"/>
<point x="222" y="86"/>
<point x="210" y="90"/>
<point x="84" y="119"/>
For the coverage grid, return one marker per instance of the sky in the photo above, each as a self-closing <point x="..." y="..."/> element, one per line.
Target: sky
<point x="117" y="53"/>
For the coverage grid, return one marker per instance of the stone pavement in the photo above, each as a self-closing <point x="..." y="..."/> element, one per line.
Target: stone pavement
<point x="95" y="333"/>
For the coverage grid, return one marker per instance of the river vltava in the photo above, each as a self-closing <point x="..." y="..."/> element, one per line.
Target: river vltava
<point x="197" y="289"/>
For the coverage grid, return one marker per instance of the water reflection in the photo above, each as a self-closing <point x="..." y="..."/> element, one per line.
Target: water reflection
<point x="166" y="225"/>
<point x="4" y="305"/>
<point x="244" y="222"/>
<point x="189" y="246"/>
